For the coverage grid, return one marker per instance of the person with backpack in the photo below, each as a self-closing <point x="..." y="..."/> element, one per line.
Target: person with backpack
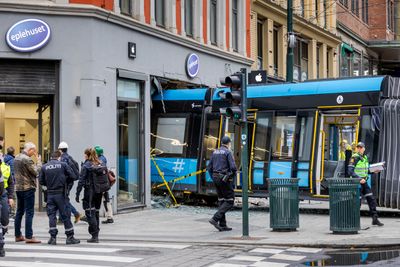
<point x="94" y="180"/>
<point x="56" y="176"/>
<point x="106" y="195"/>
<point x="65" y="157"/>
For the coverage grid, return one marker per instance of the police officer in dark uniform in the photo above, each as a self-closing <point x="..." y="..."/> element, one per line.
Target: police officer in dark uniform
<point x="222" y="169"/>
<point x="359" y="168"/>
<point x="57" y="176"/>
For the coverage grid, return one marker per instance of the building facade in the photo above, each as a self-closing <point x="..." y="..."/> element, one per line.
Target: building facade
<point x="368" y="29"/>
<point x="316" y="51"/>
<point x="83" y="71"/>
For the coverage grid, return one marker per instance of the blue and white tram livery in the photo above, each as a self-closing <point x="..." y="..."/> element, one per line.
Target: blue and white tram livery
<point x="295" y="130"/>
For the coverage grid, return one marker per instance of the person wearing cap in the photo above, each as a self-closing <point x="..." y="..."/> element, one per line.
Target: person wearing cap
<point x="65" y="157"/>
<point x="222" y="169"/>
<point x="359" y="168"/>
<point x="106" y="195"/>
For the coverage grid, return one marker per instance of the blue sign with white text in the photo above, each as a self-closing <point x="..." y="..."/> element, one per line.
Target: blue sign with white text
<point x="28" y="35"/>
<point x="192" y="65"/>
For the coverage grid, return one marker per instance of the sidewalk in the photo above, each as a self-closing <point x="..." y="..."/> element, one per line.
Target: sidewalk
<point x="190" y="225"/>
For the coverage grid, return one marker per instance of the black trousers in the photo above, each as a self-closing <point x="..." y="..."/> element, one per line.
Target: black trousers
<point x="365" y="191"/>
<point x="91" y="204"/>
<point x="59" y="202"/>
<point x="226" y="197"/>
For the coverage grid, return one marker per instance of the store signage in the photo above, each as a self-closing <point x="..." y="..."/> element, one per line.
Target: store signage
<point x="28" y="35"/>
<point x="258" y="77"/>
<point x="192" y="65"/>
<point x="131" y="50"/>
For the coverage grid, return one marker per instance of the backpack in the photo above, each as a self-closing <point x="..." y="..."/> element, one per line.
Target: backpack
<point x="73" y="165"/>
<point x="100" y="180"/>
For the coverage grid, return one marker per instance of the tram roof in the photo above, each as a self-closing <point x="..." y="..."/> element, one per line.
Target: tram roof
<point x="315" y="87"/>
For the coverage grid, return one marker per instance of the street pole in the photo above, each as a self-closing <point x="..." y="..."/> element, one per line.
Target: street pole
<point x="289" y="57"/>
<point x="245" y="157"/>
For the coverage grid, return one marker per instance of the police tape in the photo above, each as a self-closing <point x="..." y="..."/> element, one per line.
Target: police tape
<point x="181" y="178"/>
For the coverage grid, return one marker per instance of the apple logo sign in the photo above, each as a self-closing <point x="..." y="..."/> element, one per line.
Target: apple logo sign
<point x="259" y="78"/>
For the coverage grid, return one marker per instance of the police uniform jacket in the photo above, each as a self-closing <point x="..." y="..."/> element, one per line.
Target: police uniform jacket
<point x="56" y="176"/>
<point x="222" y="162"/>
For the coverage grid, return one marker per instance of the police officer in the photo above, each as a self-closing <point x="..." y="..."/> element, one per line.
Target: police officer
<point x="57" y="176"/>
<point x="2" y="252"/>
<point x="222" y="169"/>
<point x="7" y="198"/>
<point x="359" y="168"/>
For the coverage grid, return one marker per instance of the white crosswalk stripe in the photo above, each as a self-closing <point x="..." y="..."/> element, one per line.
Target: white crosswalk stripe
<point x="107" y="254"/>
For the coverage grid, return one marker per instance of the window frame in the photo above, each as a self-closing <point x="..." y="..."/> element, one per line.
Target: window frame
<point x="129" y="12"/>
<point x="235" y="25"/>
<point x="286" y="114"/>
<point x="189" y="19"/>
<point x="275" y="33"/>
<point x="213" y="22"/>
<point x="260" y="43"/>
<point x="160" y="22"/>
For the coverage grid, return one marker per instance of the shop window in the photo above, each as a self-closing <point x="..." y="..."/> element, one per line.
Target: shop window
<point x="346" y="60"/>
<point x="365" y="66"/>
<point x="356" y="64"/>
<point x="213" y="22"/>
<point x="283" y="135"/>
<point x="235" y="28"/>
<point x="259" y="45"/>
<point x="130" y="139"/>
<point x="160" y="12"/>
<point x="189" y="18"/>
<point x="276" y="51"/>
<point x="126" y="7"/>
<point x="170" y="136"/>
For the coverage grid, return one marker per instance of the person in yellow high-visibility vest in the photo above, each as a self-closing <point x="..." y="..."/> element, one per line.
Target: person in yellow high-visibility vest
<point x="7" y="199"/>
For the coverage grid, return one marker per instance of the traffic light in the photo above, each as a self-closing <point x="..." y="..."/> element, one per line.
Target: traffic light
<point x="234" y="97"/>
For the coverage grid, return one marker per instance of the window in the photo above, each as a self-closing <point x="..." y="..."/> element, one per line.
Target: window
<point x="304" y="61"/>
<point x="130" y="129"/>
<point x="390" y="15"/>
<point x="213" y="22"/>
<point x="345" y="68"/>
<point x="160" y="12"/>
<point x="355" y="9"/>
<point x="356" y="64"/>
<point x="325" y="15"/>
<point x="276" y="52"/>
<point x="262" y="137"/>
<point x="344" y="2"/>
<point x="316" y="11"/>
<point x="327" y="63"/>
<point x="300" y="71"/>
<point x="259" y="45"/>
<point x="364" y="16"/>
<point x="365" y="66"/>
<point x="235" y="28"/>
<point x="125" y="7"/>
<point x="318" y="50"/>
<point x="170" y="137"/>
<point x="283" y="134"/>
<point x="189" y="17"/>
<point x="302" y="8"/>
<point x="211" y="132"/>
<point x="306" y="133"/>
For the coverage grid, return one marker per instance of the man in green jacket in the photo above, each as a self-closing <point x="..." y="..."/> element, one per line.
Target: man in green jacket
<point x="359" y="168"/>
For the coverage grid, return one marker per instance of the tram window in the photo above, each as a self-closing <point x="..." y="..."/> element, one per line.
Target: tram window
<point x="369" y="131"/>
<point x="170" y="137"/>
<point x="211" y="137"/>
<point x="306" y="130"/>
<point x="262" y="137"/>
<point x="282" y="142"/>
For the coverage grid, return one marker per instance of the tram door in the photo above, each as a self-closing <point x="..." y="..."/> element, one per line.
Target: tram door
<point x="338" y="135"/>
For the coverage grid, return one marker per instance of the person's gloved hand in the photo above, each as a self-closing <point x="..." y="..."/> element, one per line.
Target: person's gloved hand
<point x="77" y="199"/>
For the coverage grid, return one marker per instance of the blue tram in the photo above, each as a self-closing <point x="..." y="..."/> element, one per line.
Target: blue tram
<point x="295" y="130"/>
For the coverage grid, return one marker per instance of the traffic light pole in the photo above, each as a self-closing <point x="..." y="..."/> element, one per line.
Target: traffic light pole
<point x="245" y="157"/>
<point x="290" y="56"/>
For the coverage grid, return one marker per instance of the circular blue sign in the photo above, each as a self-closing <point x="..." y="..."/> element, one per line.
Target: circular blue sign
<point x="192" y="65"/>
<point x="28" y="35"/>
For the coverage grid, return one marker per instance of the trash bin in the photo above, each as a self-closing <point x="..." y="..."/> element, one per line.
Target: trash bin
<point x="344" y="205"/>
<point x="284" y="204"/>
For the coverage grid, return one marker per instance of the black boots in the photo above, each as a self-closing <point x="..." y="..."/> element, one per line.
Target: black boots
<point x="72" y="241"/>
<point x="2" y="252"/>
<point x="215" y="223"/>
<point x="94" y="239"/>
<point x="52" y="241"/>
<point x="109" y="220"/>
<point x="375" y="221"/>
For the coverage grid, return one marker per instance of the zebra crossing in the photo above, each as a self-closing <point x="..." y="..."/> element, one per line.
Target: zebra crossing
<point x="271" y="257"/>
<point x="106" y="254"/>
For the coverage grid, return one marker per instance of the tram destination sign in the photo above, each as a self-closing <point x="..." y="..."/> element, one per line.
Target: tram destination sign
<point x="28" y="35"/>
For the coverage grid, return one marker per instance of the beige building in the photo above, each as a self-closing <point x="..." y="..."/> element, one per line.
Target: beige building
<point x="317" y="46"/>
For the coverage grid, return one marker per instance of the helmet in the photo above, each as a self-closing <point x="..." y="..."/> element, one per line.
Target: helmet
<point x="99" y="150"/>
<point x="63" y="145"/>
<point x="361" y="144"/>
<point x="225" y="140"/>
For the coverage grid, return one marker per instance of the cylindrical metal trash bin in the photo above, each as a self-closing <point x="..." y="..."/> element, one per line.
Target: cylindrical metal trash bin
<point x="344" y="205"/>
<point x="284" y="204"/>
